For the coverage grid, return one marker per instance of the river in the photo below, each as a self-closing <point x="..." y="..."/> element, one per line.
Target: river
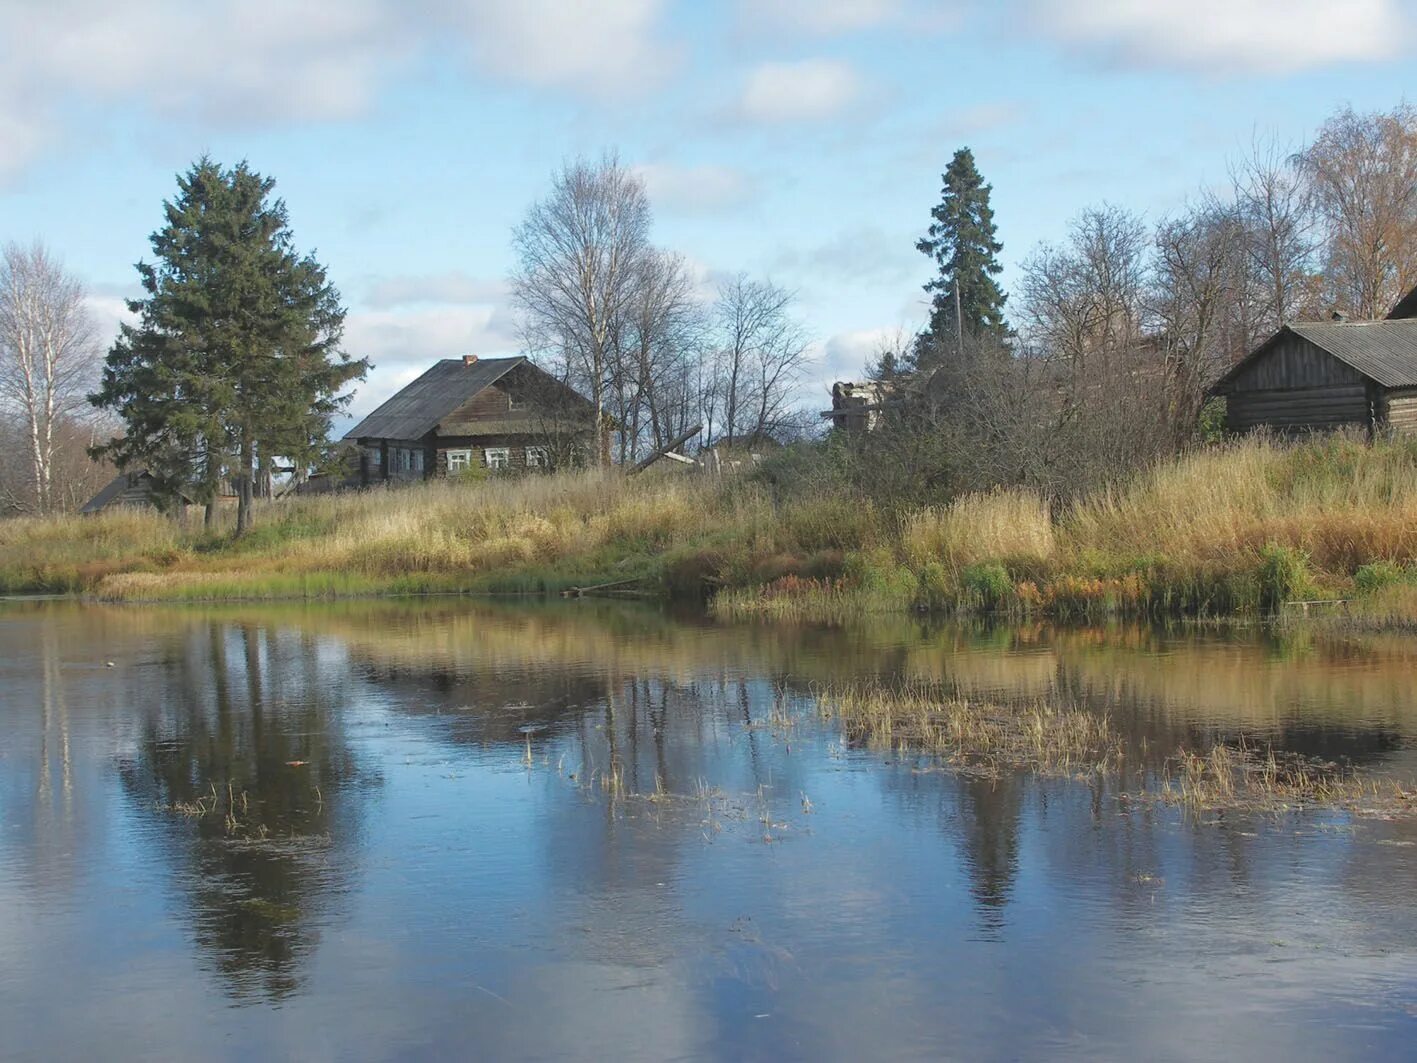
<point x="450" y="829"/>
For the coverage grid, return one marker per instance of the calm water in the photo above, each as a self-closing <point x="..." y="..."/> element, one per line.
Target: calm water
<point x="425" y="859"/>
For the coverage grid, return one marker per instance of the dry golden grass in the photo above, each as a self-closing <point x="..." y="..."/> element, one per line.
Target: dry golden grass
<point x="1225" y="777"/>
<point x="1237" y="528"/>
<point x="1339" y="500"/>
<point x="434" y="535"/>
<point x="979" y="527"/>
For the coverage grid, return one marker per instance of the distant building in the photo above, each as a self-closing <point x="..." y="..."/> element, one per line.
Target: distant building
<point x="857" y="405"/>
<point x="464" y="413"/>
<point x="135" y="489"/>
<point x="1314" y="376"/>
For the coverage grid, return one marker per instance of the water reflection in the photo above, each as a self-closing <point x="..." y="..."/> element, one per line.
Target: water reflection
<point x="429" y="828"/>
<point x="243" y="771"/>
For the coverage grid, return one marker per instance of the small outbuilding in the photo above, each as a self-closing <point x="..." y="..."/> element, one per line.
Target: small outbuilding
<point x="1317" y="376"/>
<point x="136" y="489"/>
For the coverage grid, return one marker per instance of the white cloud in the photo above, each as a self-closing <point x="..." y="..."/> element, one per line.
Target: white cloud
<point x="607" y="48"/>
<point x="845" y="355"/>
<point x="454" y="287"/>
<point x="403" y="343"/>
<point x="821" y="16"/>
<point x="806" y="90"/>
<point x="1227" y="36"/>
<point x="107" y="312"/>
<point x="694" y="189"/>
<point x="269" y="61"/>
<point x="863" y="254"/>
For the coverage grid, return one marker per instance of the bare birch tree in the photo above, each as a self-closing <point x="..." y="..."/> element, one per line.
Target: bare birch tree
<point x="759" y="354"/>
<point x="48" y="355"/>
<point x="1274" y="205"/>
<point x="666" y="339"/>
<point x="579" y="252"/>
<point x="1362" y="169"/>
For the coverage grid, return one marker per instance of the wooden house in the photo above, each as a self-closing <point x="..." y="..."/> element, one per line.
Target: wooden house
<point x="138" y="489"/>
<point x="1323" y="375"/>
<point x="464" y="413"/>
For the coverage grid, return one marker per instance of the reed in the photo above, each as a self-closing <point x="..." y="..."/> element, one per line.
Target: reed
<point x="1235" y="529"/>
<point x="980" y="735"/>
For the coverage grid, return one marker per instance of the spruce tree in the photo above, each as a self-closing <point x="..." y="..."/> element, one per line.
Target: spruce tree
<point x="235" y="358"/>
<point x="961" y="240"/>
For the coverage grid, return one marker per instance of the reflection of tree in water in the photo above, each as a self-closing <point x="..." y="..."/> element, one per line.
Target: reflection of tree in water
<point x="248" y="724"/>
<point x="990" y="812"/>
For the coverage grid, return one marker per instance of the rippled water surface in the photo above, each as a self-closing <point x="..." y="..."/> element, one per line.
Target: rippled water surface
<point x="444" y="829"/>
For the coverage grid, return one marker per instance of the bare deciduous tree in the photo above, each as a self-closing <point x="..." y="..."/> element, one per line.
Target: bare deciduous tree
<point x="1362" y="169"/>
<point x="1199" y="301"/>
<point x="666" y="340"/>
<point x="758" y="357"/>
<point x="579" y="255"/>
<point x="1273" y="203"/>
<point x="48" y="355"/>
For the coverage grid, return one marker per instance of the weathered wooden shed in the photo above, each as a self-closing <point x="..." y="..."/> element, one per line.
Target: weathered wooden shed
<point x="1325" y="375"/>
<point x="138" y="488"/>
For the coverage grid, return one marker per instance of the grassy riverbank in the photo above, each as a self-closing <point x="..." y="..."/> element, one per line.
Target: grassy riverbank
<point x="1239" y="529"/>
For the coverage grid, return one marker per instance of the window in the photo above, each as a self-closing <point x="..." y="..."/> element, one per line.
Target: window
<point x="459" y="461"/>
<point x="416" y="457"/>
<point x="497" y="457"/>
<point x="537" y="458"/>
<point x="374" y="456"/>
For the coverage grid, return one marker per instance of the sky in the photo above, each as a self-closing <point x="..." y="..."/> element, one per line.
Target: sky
<point x="799" y="140"/>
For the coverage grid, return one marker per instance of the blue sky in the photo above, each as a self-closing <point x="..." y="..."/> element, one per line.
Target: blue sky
<point x="795" y="139"/>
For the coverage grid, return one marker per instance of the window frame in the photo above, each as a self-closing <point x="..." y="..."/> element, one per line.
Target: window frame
<point x="542" y="457"/>
<point x="459" y="460"/>
<point x="497" y="457"/>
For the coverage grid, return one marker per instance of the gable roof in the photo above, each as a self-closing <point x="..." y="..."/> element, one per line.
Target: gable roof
<point x="1406" y="306"/>
<point x="110" y="491"/>
<point x="116" y="487"/>
<point x="1383" y="351"/>
<point x="416" y="410"/>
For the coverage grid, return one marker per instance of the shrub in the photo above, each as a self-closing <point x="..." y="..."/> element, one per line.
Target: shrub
<point x="1283" y="575"/>
<point x="1376" y="575"/>
<point x="988" y="584"/>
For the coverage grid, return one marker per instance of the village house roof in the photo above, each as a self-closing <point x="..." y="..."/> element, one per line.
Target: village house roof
<point x="114" y="491"/>
<point x="416" y="410"/>
<point x="1406" y="307"/>
<point x="1383" y="351"/>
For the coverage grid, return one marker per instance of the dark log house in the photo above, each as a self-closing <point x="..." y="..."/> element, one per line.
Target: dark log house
<point x="493" y="413"/>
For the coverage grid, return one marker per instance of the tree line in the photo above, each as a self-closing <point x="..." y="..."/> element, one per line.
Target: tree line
<point x="1098" y="361"/>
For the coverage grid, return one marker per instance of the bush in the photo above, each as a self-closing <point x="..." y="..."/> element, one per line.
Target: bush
<point x="1376" y="575"/>
<point x="1283" y="575"/>
<point x="987" y="583"/>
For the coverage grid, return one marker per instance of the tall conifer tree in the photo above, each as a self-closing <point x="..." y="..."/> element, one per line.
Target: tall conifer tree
<point x="235" y="358"/>
<point x="961" y="240"/>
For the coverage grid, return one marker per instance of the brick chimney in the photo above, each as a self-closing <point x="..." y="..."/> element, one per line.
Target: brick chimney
<point x="468" y="359"/>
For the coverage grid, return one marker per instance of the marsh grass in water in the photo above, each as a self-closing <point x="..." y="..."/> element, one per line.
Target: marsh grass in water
<point x="985" y="738"/>
<point x="973" y="734"/>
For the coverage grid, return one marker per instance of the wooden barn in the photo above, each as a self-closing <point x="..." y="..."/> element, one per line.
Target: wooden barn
<point x="463" y="413"/>
<point x="138" y="488"/>
<point x="1324" y="375"/>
